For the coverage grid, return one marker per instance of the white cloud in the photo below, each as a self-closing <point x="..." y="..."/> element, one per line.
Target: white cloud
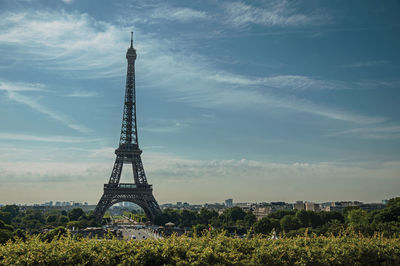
<point x="68" y="1"/>
<point x="50" y="40"/>
<point x="20" y="86"/>
<point x="205" y="180"/>
<point x="164" y="125"/>
<point x="276" y="13"/>
<point x="378" y="132"/>
<point x="47" y="111"/>
<point x="371" y="63"/>
<point x="14" y="89"/>
<point x="82" y="94"/>
<point x="102" y="153"/>
<point x="182" y="14"/>
<point x="58" y="139"/>
<point x="288" y="82"/>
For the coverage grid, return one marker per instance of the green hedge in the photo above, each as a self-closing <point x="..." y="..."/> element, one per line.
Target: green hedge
<point x="342" y="250"/>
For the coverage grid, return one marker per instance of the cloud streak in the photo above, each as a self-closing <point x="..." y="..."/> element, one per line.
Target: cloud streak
<point x="50" y="41"/>
<point x="276" y="13"/>
<point x="57" y="139"/>
<point x="182" y="14"/>
<point x="20" y="86"/>
<point x="371" y="63"/>
<point x="44" y="110"/>
<point x="82" y="94"/>
<point x="377" y="133"/>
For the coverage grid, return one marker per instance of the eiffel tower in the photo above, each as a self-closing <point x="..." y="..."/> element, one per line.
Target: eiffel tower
<point x="139" y="192"/>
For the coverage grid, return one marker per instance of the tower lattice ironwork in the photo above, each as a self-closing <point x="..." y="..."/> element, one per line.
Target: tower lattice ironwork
<point x="139" y="192"/>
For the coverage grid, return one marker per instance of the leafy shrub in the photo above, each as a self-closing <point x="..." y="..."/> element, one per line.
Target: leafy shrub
<point x="348" y="249"/>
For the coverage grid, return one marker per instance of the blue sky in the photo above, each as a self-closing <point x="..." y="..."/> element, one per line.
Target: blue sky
<point x="250" y="100"/>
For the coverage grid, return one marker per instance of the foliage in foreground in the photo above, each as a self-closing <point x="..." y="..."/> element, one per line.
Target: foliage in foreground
<point x="350" y="249"/>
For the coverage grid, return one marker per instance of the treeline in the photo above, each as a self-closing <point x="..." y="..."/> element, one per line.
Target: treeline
<point x="16" y="223"/>
<point x="235" y="220"/>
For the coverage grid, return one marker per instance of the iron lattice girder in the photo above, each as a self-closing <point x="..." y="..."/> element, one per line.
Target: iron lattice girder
<point x="129" y="127"/>
<point x="140" y="196"/>
<point x="140" y="192"/>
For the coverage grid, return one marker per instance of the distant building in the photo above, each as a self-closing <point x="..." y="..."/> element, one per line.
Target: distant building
<point x="299" y="205"/>
<point x="311" y="206"/>
<point x="179" y="204"/>
<point x="280" y="206"/>
<point x="229" y="203"/>
<point x="261" y="211"/>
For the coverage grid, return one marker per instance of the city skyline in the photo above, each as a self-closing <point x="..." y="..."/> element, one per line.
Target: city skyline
<point x="252" y="100"/>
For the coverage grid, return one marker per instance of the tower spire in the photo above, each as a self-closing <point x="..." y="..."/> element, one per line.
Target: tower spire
<point x="131" y="39"/>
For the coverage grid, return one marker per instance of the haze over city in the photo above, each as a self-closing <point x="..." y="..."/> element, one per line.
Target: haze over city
<point x="251" y="100"/>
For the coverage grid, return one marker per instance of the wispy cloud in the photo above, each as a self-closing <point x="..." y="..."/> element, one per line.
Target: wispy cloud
<point x="289" y="82"/>
<point x="371" y="63"/>
<point x="217" y="89"/>
<point x="275" y="13"/>
<point x="57" y="139"/>
<point x="21" y="86"/>
<point x="98" y="48"/>
<point x="378" y="132"/>
<point x="50" y="41"/>
<point x="164" y="125"/>
<point x="44" y="110"/>
<point x="82" y="94"/>
<point x="181" y="14"/>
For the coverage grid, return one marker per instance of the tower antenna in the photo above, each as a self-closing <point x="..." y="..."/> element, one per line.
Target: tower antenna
<point x="131" y="38"/>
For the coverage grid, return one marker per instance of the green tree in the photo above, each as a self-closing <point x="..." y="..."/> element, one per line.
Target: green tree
<point x="330" y="216"/>
<point x="52" y="219"/>
<point x="280" y="214"/>
<point x="5" y="235"/>
<point x="205" y="216"/>
<point x="266" y="225"/>
<point x="6" y="232"/>
<point x="290" y="222"/>
<point x="5" y="217"/>
<point x="12" y="209"/>
<point x="63" y="219"/>
<point x="54" y="234"/>
<point x="75" y="214"/>
<point x="33" y="221"/>
<point x="188" y="218"/>
<point x="357" y="217"/>
<point x="231" y="215"/>
<point x="309" y="218"/>
<point x="249" y="219"/>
